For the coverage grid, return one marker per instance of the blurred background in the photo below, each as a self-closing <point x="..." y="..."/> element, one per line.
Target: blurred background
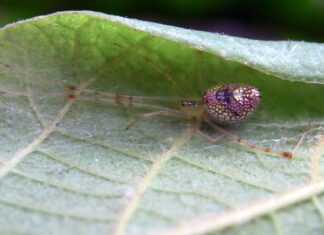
<point x="268" y="19"/>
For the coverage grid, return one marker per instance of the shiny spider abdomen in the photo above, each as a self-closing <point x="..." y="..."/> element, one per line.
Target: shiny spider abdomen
<point x="229" y="103"/>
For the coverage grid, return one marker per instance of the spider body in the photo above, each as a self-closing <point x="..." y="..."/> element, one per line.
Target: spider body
<point x="229" y="103"/>
<point x="225" y="103"/>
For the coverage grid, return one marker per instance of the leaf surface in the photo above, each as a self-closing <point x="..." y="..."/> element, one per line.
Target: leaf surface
<point x="67" y="166"/>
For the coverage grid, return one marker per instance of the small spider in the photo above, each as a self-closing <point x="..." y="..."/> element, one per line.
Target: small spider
<point x="221" y="104"/>
<point x="225" y="103"/>
<point x="228" y="103"/>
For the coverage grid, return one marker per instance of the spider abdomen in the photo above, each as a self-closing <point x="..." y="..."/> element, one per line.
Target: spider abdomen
<point x="228" y="103"/>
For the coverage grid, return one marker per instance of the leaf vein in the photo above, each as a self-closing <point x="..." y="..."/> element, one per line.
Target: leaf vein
<point x="63" y="187"/>
<point x="107" y="146"/>
<point x="75" y="166"/>
<point x="22" y="153"/>
<point x="318" y="207"/>
<point x="206" y="195"/>
<point x="227" y="175"/>
<point x="54" y="213"/>
<point x="248" y="212"/>
<point x="132" y="204"/>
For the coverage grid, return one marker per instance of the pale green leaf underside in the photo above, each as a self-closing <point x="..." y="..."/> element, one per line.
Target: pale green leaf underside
<point x="68" y="166"/>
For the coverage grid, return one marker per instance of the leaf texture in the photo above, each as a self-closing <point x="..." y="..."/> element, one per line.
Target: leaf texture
<point x="68" y="166"/>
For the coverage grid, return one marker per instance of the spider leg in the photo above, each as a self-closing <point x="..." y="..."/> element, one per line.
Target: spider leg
<point x="244" y="143"/>
<point x="165" y="113"/>
<point x="209" y="138"/>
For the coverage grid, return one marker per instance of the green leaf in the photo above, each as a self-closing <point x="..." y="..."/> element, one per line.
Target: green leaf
<point x="68" y="166"/>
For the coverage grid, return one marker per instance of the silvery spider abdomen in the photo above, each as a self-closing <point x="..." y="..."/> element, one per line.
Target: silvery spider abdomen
<point x="228" y="103"/>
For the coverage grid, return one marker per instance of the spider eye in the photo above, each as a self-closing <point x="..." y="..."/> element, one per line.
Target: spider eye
<point x="231" y="102"/>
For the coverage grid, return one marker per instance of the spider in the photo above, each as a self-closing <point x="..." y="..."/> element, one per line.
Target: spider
<point x="222" y="104"/>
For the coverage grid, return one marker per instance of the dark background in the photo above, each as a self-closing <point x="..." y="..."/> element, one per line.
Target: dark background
<point x="270" y="20"/>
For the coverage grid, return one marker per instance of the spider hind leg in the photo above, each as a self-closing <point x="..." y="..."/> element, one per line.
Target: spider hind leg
<point x="244" y="143"/>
